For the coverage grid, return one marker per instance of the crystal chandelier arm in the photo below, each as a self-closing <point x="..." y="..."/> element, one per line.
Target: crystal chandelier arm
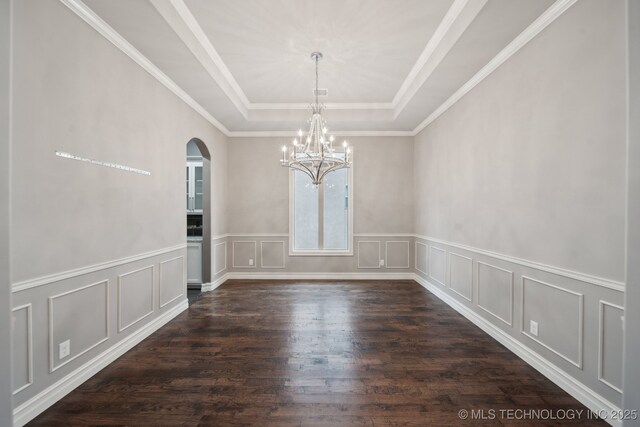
<point x="302" y="168"/>
<point x="331" y="169"/>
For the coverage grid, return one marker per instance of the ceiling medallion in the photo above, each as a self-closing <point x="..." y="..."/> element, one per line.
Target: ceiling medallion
<point x="313" y="153"/>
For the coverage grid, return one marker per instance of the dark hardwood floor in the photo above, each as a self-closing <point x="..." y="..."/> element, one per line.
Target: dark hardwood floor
<point x="286" y="353"/>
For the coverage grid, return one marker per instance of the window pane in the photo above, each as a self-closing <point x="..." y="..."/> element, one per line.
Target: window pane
<point x="305" y="212"/>
<point x="199" y="188"/>
<point x="336" y="211"/>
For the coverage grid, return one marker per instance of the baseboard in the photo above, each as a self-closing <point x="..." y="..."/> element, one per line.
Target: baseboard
<point x="582" y="393"/>
<point x="38" y="403"/>
<point x="318" y="276"/>
<point x="207" y="287"/>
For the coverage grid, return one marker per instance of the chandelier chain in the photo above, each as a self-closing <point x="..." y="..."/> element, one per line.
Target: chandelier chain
<point x="317" y="59"/>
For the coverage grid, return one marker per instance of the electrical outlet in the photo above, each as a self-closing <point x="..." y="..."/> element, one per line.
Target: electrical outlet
<point x="251" y="261"/>
<point x="533" y="328"/>
<point x="381" y="263"/>
<point x="64" y="349"/>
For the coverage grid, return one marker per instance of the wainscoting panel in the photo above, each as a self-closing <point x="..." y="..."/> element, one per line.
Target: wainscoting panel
<point x="610" y="345"/>
<point x="219" y="257"/>
<point x="194" y="262"/>
<point x="397" y="254"/>
<point x="272" y="254"/>
<point x="581" y="352"/>
<point x="22" y="348"/>
<point x="461" y="275"/>
<point x="135" y="296"/>
<point x="244" y="254"/>
<point x="172" y="280"/>
<point x="437" y="265"/>
<point x="421" y="262"/>
<point x="369" y="254"/>
<point x="80" y="316"/>
<point x="559" y="314"/>
<point x="495" y="292"/>
<point x="102" y="309"/>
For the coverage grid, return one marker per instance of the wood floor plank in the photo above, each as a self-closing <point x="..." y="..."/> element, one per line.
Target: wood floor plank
<point x="312" y="353"/>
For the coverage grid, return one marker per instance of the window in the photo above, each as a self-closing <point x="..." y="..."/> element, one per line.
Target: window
<point x="320" y="218"/>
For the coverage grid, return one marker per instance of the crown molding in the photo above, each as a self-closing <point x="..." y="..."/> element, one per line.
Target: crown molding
<point x="104" y="29"/>
<point x="328" y="105"/>
<point x="177" y="14"/>
<point x="546" y="18"/>
<point x="185" y="25"/>
<point x="461" y="12"/>
<point x="287" y="133"/>
<point x="455" y="22"/>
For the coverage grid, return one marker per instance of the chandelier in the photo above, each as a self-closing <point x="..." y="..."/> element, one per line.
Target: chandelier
<point x="313" y="153"/>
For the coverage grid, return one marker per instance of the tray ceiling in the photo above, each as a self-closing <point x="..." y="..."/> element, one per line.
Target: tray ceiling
<point x="390" y="66"/>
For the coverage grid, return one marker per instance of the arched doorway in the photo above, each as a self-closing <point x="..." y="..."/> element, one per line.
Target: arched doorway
<point x="198" y="215"/>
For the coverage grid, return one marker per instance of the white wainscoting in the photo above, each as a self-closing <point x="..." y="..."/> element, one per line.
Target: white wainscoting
<point x="560" y="322"/>
<point x="610" y="345"/>
<point x="85" y="305"/>
<point x="28" y="410"/>
<point x="421" y="262"/>
<point x="595" y="385"/>
<point x="219" y="257"/>
<point x="272" y="254"/>
<point x="369" y="258"/>
<point x="269" y="252"/>
<point x="172" y="278"/>
<point x="135" y="296"/>
<point x="590" y="398"/>
<point x="437" y="265"/>
<point x="578" y="345"/>
<point x="495" y="291"/>
<point x="397" y="254"/>
<point x="90" y="315"/>
<point x="243" y="251"/>
<point x="461" y="275"/>
<point x="59" y="277"/>
<point x="22" y="360"/>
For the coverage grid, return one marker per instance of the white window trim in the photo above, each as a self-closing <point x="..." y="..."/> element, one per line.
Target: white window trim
<point x="322" y="252"/>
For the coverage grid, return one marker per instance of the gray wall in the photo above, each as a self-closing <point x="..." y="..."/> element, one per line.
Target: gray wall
<point x="97" y="253"/>
<point x="83" y="105"/>
<point x="5" y="284"/>
<point x="383" y="187"/>
<point x="520" y="196"/>
<point x="632" y="294"/>
<point x="532" y="162"/>
<point x="258" y="211"/>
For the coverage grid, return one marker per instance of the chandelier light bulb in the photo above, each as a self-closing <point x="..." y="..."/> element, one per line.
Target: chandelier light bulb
<point x="300" y="132"/>
<point x="295" y="142"/>
<point x="344" y="144"/>
<point x="331" y="138"/>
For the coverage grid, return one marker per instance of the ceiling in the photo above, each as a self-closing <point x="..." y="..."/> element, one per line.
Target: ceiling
<point x="390" y="66"/>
